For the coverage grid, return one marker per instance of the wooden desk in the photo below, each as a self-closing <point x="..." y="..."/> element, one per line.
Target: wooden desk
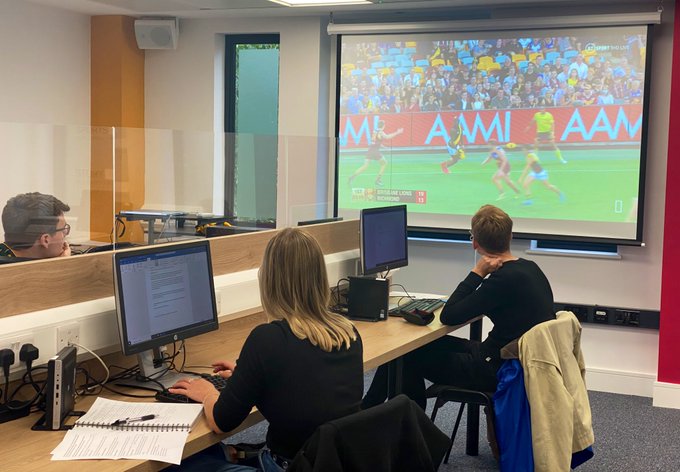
<point x="23" y="449"/>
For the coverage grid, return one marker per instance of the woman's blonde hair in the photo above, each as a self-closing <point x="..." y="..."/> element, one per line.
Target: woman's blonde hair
<point x="294" y="287"/>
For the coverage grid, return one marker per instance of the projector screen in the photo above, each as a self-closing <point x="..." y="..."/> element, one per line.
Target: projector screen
<point x="549" y="125"/>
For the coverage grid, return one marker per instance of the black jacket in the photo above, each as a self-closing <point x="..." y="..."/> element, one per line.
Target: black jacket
<point x="391" y="437"/>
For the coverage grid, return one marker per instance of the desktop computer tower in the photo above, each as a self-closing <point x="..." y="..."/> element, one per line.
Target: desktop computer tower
<point x="60" y="388"/>
<point x="368" y="298"/>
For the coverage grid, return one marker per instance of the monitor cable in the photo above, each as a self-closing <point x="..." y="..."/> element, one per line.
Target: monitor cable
<point x="408" y="295"/>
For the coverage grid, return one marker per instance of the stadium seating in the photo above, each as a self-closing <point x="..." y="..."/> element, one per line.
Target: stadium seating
<point x="518" y="57"/>
<point x="534" y="55"/>
<point x="406" y="63"/>
<point x="422" y="63"/>
<point x="484" y="60"/>
<point x="437" y="62"/>
<point x="394" y="51"/>
<point x="501" y="59"/>
<point x="463" y="53"/>
<point x="410" y="49"/>
<point x="522" y="65"/>
<point x="411" y="44"/>
<point x="493" y="66"/>
<point x="570" y="53"/>
<point x="551" y="56"/>
<point x="377" y="65"/>
<point x="467" y="60"/>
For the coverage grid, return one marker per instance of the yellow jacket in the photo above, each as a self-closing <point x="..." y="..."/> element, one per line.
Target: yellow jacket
<point x="554" y="377"/>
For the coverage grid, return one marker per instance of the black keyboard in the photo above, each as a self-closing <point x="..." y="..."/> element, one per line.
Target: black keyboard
<point x="166" y="397"/>
<point x="421" y="305"/>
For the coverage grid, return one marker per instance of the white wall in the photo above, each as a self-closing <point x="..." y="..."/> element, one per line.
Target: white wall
<point x="45" y="105"/>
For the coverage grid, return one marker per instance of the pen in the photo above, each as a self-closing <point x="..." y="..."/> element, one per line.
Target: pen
<point x="133" y="420"/>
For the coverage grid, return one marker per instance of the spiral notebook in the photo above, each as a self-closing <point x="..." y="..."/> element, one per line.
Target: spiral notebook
<point x="162" y="438"/>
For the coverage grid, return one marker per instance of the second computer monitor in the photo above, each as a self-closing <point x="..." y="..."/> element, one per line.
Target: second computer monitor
<point x="384" y="239"/>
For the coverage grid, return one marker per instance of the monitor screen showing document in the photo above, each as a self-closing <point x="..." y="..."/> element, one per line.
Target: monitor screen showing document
<point x="164" y="294"/>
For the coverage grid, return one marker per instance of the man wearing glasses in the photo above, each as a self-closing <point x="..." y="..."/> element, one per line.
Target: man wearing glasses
<point x="35" y="227"/>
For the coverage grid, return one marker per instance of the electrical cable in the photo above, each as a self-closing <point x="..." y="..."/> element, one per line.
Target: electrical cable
<point x="108" y="373"/>
<point x="408" y="295"/>
<point x="338" y="303"/>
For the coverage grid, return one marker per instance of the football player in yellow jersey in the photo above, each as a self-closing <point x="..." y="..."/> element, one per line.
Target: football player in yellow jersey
<point x="545" y="131"/>
<point x="533" y="170"/>
<point x="453" y="146"/>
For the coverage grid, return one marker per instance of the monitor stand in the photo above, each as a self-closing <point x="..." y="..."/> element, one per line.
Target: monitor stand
<point x="153" y="372"/>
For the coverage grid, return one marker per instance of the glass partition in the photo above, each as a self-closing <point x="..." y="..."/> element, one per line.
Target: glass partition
<point x="74" y="164"/>
<point x="174" y="185"/>
<point x="306" y="173"/>
<point x="134" y="186"/>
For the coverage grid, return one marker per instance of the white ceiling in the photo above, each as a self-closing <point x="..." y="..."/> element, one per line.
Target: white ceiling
<point x="244" y="8"/>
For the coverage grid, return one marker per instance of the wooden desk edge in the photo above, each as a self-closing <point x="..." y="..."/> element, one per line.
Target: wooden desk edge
<point x="202" y="438"/>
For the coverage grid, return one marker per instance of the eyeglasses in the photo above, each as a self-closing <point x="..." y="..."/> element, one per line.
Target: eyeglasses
<point x="66" y="229"/>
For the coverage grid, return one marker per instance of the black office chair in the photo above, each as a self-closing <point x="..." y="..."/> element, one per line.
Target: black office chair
<point x="447" y="393"/>
<point x="395" y="436"/>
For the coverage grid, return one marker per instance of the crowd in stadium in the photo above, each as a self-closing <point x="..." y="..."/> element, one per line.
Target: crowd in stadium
<point x="489" y="74"/>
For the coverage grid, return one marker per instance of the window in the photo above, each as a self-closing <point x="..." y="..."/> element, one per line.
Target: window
<point x="251" y="126"/>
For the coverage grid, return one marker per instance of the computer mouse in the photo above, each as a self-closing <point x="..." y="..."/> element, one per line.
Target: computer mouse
<point x="418" y="319"/>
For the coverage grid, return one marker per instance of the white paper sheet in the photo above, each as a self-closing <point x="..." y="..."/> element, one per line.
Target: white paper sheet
<point x="96" y="443"/>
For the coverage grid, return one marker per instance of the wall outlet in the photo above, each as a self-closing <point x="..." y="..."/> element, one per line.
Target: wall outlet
<point x="68" y="333"/>
<point x="14" y="343"/>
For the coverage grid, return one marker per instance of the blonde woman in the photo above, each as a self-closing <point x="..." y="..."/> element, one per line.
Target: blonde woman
<point x="302" y="369"/>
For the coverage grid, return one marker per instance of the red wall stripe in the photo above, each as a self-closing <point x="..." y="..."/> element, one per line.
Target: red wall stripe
<point x="669" y="332"/>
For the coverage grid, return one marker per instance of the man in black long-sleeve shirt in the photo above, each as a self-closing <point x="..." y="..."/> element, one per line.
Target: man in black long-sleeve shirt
<point x="514" y="293"/>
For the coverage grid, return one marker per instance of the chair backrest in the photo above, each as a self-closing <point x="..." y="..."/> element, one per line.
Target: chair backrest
<point x="554" y="376"/>
<point x="373" y="440"/>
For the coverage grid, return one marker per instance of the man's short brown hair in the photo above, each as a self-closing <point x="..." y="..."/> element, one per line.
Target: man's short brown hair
<point x="29" y="215"/>
<point x="492" y="229"/>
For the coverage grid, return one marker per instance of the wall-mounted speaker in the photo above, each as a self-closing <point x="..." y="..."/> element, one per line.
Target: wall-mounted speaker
<point x="157" y="33"/>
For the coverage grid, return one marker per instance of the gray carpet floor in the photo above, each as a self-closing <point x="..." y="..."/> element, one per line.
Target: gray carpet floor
<point x="630" y="435"/>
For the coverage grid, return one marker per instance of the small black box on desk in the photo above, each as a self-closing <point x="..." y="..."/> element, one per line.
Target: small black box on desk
<point x="368" y="298"/>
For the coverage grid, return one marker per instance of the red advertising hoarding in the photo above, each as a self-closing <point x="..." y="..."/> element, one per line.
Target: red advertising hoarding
<point x="587" y="124"/>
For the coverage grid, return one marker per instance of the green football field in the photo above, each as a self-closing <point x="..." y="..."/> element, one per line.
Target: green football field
<point x="598" y="185"/>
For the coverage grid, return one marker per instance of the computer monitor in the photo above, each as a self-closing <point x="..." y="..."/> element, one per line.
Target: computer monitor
<point x="384" y="243"/>
<point x="163" y="294"/>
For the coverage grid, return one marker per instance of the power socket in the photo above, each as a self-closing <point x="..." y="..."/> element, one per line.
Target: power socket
<point x="68" y="333"/>
<point x="14" y="343"/>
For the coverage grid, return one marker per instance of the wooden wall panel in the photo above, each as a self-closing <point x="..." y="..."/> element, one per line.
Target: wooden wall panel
<point x="50" y="283"/>
<point x="117" y="101"/>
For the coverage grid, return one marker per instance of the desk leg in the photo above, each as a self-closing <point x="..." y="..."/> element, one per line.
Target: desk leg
<point x="151" y="232"/>
<point x="472" y="442"/>
<point x="394" y="377"/>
